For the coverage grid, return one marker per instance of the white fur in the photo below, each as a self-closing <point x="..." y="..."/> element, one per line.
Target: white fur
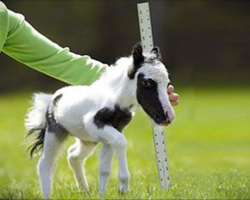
<point x="36" y="115"/>
<point x="75" y="111"/>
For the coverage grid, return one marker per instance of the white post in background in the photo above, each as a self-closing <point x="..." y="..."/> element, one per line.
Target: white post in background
<point x="158" y="131"/>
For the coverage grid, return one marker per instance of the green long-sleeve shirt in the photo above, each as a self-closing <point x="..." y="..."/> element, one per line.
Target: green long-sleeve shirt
<point x="19" y="40"/>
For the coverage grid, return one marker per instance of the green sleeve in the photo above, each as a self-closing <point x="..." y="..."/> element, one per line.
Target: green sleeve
<point x="19" y="40"/>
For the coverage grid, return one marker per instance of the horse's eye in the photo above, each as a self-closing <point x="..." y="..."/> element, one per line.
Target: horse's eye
<point x="147" y="83"/>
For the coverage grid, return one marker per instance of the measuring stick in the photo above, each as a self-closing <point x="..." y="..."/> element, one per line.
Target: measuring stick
<point x="158" y="131"/>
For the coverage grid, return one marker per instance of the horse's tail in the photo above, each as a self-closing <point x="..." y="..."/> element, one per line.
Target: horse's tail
<point x="35" y="121"/>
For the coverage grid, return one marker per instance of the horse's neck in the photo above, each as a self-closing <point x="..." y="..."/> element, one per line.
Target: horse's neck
<point x="126" y="93"/>
<point x="122" y="88"/>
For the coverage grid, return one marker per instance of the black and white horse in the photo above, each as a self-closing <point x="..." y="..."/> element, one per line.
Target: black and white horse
<point x="99" y="113"/>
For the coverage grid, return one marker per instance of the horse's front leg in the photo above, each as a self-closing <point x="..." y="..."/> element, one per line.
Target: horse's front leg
<point x="120" y="146"/>
<point x="117" y="140"/>
<point x="105" y="167"/>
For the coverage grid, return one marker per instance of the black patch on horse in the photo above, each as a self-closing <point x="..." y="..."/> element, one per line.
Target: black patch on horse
<point x="53" y="125"/>
<point x="148" y="97"/>
<point x="117" y="117"/>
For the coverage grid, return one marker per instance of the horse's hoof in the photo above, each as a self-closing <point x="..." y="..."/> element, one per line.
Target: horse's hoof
<point x="102" y="195"/>
<point x="123" y="190"/>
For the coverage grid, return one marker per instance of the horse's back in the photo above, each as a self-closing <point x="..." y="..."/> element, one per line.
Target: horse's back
<point x="72" y="100"/>
<point x="75" y="102"/>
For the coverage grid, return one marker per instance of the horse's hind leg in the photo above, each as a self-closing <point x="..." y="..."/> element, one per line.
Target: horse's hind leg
<point x="77" y="154"/>
<point x="46" y="165"/>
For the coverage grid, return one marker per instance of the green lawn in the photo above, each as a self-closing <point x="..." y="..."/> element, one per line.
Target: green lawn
<point x="208" y="149"/>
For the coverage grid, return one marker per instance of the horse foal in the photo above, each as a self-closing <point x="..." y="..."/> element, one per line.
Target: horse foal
<point x="98" y="114"/>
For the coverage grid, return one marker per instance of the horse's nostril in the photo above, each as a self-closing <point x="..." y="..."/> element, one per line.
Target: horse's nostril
<point x="167" y="116"/>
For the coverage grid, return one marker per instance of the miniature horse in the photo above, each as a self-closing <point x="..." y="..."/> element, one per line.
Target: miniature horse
<point x="99" y="113"/>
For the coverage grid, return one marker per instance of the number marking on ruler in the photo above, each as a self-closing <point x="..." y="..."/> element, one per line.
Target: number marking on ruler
<point x="158" y="131"/>
<point x="161" y="155"/>
<point x="145" y="26"/>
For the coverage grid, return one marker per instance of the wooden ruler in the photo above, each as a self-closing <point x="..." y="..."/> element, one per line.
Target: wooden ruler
<point x="158" y="131"/>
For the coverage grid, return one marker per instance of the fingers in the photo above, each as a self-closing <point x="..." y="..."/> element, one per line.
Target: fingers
<point x="173" y="97"/>
<point x="170" y="89"/>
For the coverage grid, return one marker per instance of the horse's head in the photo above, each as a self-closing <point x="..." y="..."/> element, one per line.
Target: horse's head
<point x="152" y="81"/>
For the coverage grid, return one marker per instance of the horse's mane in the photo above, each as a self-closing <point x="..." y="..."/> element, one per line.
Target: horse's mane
<point x="117" y="71"/>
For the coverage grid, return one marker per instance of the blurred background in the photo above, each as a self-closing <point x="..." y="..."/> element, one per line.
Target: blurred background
<point x="206" y="47"/>
<point x="202" y="42"/>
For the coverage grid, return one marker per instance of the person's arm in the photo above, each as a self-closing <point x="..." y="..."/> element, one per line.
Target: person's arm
<point x="19" y="40"/>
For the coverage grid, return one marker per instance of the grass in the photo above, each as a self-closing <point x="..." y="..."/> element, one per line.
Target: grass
<point x="208" y="150"/>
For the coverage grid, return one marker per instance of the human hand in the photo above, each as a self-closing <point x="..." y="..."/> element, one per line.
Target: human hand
<point x="173" y="97"/>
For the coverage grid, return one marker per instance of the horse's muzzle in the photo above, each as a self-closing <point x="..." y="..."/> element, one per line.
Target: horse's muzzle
<point x="168" y="119"/>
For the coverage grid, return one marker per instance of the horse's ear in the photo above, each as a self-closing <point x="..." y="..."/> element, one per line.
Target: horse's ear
<point x="137" y="54"/>
<point x="157" y="52"/>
